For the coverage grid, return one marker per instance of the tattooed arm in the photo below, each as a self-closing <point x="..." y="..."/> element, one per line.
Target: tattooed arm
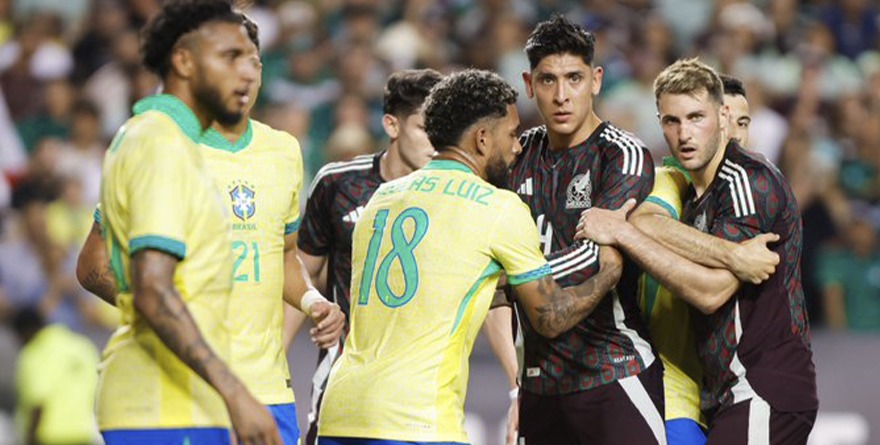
<point x="553" y="310"/>
<point x="93" y="267"/>
<point x="158" y="302"/>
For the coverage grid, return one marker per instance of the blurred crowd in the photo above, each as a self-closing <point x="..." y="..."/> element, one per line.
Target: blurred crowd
<point x="69" y="73"/>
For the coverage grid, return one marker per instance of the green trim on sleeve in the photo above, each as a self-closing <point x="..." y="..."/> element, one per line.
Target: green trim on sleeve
<point x="160" y="243"/>
<point x="170" y="105"/>
<point x="529" y="276"/>
<point x="292" y="227"/>
<point x="97" y="215"/>
<point x="213" y="139"/>
<point x="669" y="209"/>
<point x="490" y="270"/>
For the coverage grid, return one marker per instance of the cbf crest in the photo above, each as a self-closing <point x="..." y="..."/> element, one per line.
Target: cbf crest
<point x="579" y="191"/>
<point x="243" y="198"/>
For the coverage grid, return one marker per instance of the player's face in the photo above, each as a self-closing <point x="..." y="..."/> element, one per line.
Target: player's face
<point x="740" y="119"/>
<point x="693" y="126"/>
<point x="563" y="87"/>
<point x="415" y="148"/>
<point x="505" y="148"/>
<point x="227" y="71"/>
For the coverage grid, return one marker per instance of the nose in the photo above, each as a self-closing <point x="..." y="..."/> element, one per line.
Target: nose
<point x="249" y="70"/>
<point x="561" y="95"/>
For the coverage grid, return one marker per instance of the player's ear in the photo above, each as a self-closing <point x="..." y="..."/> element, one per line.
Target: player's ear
<point x="598" y="72"/>
<point x="391" y="125"/>
<point x="527" y="79"/>
<point x="482" y="140"/>
<point x="182" y="61"/>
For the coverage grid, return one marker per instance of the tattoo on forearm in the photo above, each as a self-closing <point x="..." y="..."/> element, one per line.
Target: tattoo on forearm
<point x="103" y="284"/>
<point x="564" y="308"/>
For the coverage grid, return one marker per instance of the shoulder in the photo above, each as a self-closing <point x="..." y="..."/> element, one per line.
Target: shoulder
<point x="334" y="172"/>
<point x="621" y="140"/>
<point x="742" y="168"/>
<point x="620" y="147"/>
<point x="279" y="137"/>
<point x="533" y="137"/>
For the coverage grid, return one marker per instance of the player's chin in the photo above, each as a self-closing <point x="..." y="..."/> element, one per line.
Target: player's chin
<point x="231" y="116"/>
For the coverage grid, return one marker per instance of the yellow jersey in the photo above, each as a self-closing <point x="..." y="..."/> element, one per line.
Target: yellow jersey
<point x="156" y="194"/>
<point x="427" y="254"/>
<point x="669" y="316"/>
<point x="260" y="177"/>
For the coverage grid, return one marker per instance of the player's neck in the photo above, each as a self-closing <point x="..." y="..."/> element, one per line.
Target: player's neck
<point x="703" y="178"/>
<point x="462" y="156"/>
<point x="232" y="133"/>
<point x="559" y="141"/>
<point x="391" y="165"/>
<point x="177" y="89"/>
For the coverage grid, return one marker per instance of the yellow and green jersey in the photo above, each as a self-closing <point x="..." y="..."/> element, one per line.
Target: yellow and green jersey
<point x="427" y="254"/>
<point x="668" y="316"/>
<point x="157" y="194"/>
<point x="260" y="177"/>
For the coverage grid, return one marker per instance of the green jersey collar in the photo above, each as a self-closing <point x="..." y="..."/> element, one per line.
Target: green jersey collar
<point x="174" y="108"/>
<point x="445" y="164"/>
<point x="212" y="138"/>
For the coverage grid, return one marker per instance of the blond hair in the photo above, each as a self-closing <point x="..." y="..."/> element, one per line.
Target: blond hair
<point x="689" y="76"/>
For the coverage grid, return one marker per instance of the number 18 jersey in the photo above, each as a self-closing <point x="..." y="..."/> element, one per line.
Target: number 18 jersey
<point x="427" y="255"/>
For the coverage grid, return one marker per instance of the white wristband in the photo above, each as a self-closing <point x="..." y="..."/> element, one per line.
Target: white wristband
<point x="513" y="394"/>
<point x="309" y="298"/>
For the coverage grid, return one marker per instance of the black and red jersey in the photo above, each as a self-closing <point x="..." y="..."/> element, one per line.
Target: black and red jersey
<point x="604" y="171"/>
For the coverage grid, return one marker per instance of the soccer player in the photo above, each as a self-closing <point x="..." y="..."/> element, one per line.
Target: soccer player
<point x="427" y="255"/>
<point x="604" y="368"/>
<point x="752" y="340"/>
<point x="338" y="196"/>
<point x="259" y="170"/>
<point x="736" y="101"/>
<point x="166" y="232"/>
<point x="668" y="317"/>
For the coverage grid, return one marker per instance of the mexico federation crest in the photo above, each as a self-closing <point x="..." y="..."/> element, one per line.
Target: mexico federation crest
<point x="579" y="191"/>
<point x="243" y="202"/>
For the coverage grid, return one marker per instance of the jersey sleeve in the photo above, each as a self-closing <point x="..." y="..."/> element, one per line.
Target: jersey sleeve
<point x="751" y="204"/>
<point x="292" y="220"/>
<point x="669" y="187"/>
<point x="155" y="182"/>
<point x="315" y="232"/>
<point x="515" y="244"/>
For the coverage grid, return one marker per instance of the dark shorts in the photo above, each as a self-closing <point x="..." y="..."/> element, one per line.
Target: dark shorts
<point x="628" y="411"/>
<point x="754" y="422"/>
<point x="326" y="358"/>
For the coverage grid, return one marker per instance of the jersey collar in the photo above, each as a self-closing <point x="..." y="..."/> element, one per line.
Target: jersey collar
<point x="446" y="164"/>
<point x="174" y="108"/>
<point x="212" y="138"/>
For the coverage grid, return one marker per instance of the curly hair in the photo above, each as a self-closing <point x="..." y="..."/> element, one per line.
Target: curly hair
<point x="461" y="100"/>
<point x="406" y="91"/>
<point x="177" y="18"/>
<point x="559" y="36"/>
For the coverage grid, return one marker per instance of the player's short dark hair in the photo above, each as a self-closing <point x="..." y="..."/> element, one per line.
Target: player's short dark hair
<point x="732" y="85"/>
<point x="176" y="18"/>
<point x="406" y="91"/>
<point x="27" y="319"/>
<point x="560" y="36"/>
<point x="461" y="100"/>
<point x="253" y="31"/>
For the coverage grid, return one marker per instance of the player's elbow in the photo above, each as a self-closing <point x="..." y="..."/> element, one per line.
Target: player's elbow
<point x="84" y="274"/>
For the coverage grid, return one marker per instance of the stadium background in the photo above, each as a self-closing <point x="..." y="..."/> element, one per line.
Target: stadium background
<point x="69" y="73"/>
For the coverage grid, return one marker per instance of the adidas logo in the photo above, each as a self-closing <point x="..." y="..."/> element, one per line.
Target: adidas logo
<point x="526" y="188"/>
<point x="353" y="216"/>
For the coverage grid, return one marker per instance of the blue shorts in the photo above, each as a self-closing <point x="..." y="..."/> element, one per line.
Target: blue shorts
<point x="285" y="418"/>
<point x="684" y="432"/>
<point x="353" y="441"/>
<point x="171" y="436"/>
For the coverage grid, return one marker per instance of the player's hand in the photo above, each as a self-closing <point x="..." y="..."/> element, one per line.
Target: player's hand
<point x="602" y="225"/>
<point x="252" y="423"/>
<point x="512" y="422"/>
<point x="752" y="261"/>
<point x="329" y="323"/>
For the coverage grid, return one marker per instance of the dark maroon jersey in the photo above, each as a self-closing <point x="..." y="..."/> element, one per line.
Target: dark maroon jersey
<point x="337" y="197"/>
<point x="604" y="171"/>
<point x="758" y="342"/>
